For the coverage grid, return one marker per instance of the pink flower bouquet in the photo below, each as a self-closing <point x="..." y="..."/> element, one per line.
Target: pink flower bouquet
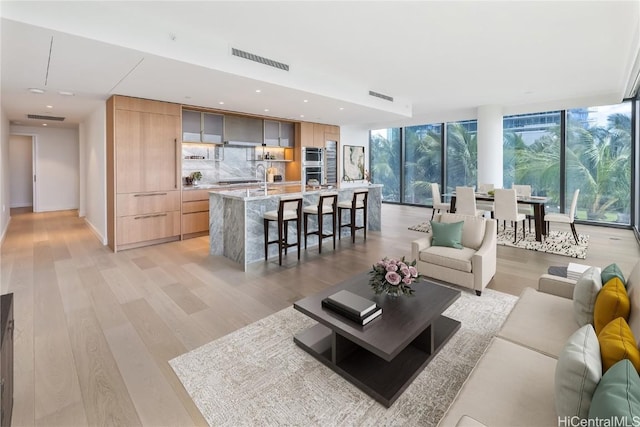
<point x="393" y="276"/>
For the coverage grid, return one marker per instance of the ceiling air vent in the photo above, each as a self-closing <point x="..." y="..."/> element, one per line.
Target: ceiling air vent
<point x="260" y="59"/>
<point x="41" y="117"/>
<point x="381" y="96"/>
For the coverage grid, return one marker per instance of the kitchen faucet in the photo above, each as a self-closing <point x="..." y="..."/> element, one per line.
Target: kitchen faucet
<point x="264" y="175"/>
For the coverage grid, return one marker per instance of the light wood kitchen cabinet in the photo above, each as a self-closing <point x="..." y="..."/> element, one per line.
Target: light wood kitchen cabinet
<point x="195" y="213"/>
<point x="143" y="172"/>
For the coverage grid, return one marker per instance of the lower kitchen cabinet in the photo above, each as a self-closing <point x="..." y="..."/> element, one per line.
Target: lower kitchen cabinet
<point x="195" y="213"/>
<point x="147" y="227"/>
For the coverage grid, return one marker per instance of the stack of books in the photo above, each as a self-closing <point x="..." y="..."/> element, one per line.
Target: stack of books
<point x="574" y="271"/>
<point x="352" y="306"/>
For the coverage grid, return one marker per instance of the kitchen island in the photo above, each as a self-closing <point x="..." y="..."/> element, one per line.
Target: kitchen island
<point x="236" y="229"/>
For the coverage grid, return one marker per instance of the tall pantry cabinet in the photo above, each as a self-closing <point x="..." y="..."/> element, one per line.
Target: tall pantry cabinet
<point x="143" y="172"/>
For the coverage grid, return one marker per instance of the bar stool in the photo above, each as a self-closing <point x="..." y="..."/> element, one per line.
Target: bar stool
<point x="359" y="201"/>
<point x="326" y="206"/>
<point x="288" y="210"/>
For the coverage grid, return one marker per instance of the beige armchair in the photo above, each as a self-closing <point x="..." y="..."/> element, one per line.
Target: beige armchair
<point x="473" y="266"/>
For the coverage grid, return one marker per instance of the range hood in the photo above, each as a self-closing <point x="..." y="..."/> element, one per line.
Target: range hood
<point x="241" y="144"/>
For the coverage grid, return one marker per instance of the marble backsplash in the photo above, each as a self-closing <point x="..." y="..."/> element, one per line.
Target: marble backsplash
<point x="217" y="163"/>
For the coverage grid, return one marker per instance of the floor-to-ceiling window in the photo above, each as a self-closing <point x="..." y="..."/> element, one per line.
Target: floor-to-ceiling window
<point x="598" y="162"/>
<point x="556" y="152"/>
<point x="422" y="162"/>
<point x="531" y="154"/>
<point x="385" y="160"/>
<point x="462" y="154"/>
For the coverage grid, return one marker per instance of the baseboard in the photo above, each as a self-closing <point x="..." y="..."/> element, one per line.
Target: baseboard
<point x="4" y="232"/>
<point x="95" y="231"/>
<point x="21" y="205"/>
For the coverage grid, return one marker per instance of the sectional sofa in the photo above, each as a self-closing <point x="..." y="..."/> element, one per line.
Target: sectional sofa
<point x="513" y="383"/>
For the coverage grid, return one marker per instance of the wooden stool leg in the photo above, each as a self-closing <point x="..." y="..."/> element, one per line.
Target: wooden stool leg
<point x="333" y="224"/>
<point x="299" y="226"/>
<point x="306" y="219"/>
<point x="280" y="225"/>
<point x="266" y="239"/>
<point x="353" y="225"/>
<point x="364" y="224"/>
<point x="320" y="221"/>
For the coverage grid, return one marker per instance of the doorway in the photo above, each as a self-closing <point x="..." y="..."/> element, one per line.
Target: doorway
<point x="22" y="150"/>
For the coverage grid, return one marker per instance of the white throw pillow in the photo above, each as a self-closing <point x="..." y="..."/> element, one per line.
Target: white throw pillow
<point x="584" y="295"/>
<point x="578" y="372"/>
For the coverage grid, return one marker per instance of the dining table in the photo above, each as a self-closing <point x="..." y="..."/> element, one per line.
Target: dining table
<point x="537" y="202"/>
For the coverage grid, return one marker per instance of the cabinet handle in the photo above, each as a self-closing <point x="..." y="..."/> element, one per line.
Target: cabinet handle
<point x="149" y="194"/>
<point x="149" y="216"/>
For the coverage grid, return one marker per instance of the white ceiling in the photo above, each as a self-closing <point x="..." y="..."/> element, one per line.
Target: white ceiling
<point x="431" y="57"/>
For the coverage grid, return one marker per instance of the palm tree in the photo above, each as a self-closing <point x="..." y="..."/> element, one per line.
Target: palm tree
<point x="423" y="145"/>
<point x="385" y="168"/>
<point x="462" y="156"/>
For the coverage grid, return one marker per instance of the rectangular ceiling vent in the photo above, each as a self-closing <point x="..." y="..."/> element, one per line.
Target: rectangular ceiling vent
<point x="41" y="117"/>
<point x="381" y="96"/>
<point x="260" y="59"/>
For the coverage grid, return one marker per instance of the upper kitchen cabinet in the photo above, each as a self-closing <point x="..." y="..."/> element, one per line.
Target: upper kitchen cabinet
<point x="243" y="130"/>
<point x="316" y="134"/>
<point x="279" y="134"/>
<point x="202" y="127"/>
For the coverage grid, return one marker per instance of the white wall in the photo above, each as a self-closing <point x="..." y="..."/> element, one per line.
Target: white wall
<point x="353" y="135"/>
<point x="57" y="167"/>
<point x="93" y="164"/>
<point x="4" y="174"/>
<point x="20" y="168"/>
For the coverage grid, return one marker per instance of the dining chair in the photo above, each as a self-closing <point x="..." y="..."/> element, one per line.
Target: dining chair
<point x="565" y="218"/>
<point x="437" y="200"/>
<point x="506" y="209"/>
<point x="466" y="202"/>
<point x="483" y="205"/>
<point x="524" y="191"/>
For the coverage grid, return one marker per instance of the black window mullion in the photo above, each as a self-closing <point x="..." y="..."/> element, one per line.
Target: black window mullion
<point x="443" y="158"/>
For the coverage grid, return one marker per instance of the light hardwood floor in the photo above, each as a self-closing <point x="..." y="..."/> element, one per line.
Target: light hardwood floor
<point x="94" y="329"/>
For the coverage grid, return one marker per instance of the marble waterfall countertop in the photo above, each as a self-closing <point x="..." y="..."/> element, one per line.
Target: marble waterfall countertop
<point x="236" y="228"/>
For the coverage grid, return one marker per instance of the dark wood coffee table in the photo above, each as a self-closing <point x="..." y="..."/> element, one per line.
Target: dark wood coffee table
<point x="383" y="357"/>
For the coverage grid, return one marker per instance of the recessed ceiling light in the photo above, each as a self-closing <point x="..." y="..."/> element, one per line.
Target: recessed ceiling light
<point x="301" y="115"/>
<point x="221" y="102"/>
<point x="266" y="109"/>
<point x="341" y="108"/>
<point x="258" y="91"/>
<point x="36" y="90"/>
<point x="49" y="106"/>
<point x="306" y="100"/>
<point x="44" y="124"/>
<point x="66" y="93"/>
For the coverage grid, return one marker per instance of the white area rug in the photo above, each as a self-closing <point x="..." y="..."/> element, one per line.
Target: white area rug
<point x="557" y="242"/>
<point x="258" y="376"/>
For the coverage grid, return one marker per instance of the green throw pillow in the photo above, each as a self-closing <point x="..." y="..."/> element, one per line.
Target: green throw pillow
<point x="612" y="271"/>
<point x="617" y="394"/>
<point x="447" y="234"/>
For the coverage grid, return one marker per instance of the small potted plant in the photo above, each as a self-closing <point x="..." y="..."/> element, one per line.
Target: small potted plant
<point x="195" y="177"/>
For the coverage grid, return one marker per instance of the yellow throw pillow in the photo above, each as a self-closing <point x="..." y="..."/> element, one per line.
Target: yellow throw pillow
<point x="616" y="343"/>
<point x="612" y="302"/>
